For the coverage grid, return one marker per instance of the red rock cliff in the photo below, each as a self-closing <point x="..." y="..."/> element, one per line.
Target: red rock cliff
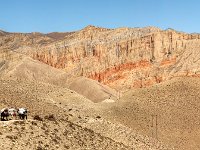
<point x="123" y="57"/>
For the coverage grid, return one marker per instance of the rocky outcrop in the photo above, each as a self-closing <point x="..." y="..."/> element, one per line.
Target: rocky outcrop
<point x="123" y="57"/>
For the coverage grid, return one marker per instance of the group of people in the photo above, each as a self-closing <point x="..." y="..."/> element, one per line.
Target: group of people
<point x="13" y="113"/>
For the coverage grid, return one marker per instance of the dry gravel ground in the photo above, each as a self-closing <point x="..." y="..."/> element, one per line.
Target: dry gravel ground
<point x="52" y="134"/>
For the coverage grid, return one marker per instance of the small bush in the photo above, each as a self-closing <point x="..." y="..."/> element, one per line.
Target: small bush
<point x="12" y="138"/>
<point x="9" y="137"/>
<point x="40" y="148"/>
<point x="66" y="147"/>
<point x="55" y="141"/>
<point x="37" y="117"/>
<point x="34" y="123"/>
<point x="19" y="123"/>
<point x="98" y="117"/>
<point x="44" y="125"/>
<point x="50" y="118"/>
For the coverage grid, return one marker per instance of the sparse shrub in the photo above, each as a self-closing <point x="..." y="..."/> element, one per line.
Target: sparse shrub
<point x="37" y="117"/>
<point x="9" y="137"/>
<point x="58" y="137"/>
<point x="50" y="117"/>
<point x="46" y="145"/>
<point x="40" y="148"/>
<point x="98" y="117"/>
<point x="12" y="138"/>
<point x="43" y="128"/>
<point x="19" y="122"/>
<point x="44" y="124"/>
<point x="66" y="146"/>
<point x="56" y="130"/>
<point x="34" y="123"/>
<point x="46" y="132"/>
<point x="16" y="128"/>
<point x="55" y="141"/>
<point x="65" y="133"/>
<point x="22" y="128"/>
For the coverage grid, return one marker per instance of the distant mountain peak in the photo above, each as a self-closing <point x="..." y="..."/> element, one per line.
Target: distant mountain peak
<point x="90" y="27"/>
<point x="93" y="28"/>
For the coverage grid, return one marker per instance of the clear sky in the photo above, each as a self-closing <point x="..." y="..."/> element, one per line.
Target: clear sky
<point x="69" y="15"/>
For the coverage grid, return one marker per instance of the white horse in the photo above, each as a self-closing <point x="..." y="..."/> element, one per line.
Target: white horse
<point x="22" y="112"/>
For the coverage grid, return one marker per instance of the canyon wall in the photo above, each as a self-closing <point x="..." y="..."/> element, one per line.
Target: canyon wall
<point x="121" y="58"/>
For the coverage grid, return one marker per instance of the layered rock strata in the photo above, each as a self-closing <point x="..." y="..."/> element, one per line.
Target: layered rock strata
<point x="122" y="58"/>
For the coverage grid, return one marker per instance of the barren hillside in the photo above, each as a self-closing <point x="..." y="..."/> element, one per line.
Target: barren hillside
<point x="176" y="104"/>
<point x="73" y="120"/>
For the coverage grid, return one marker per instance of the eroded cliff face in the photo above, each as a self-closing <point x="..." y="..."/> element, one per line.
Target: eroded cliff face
<point x="121" y="58"/>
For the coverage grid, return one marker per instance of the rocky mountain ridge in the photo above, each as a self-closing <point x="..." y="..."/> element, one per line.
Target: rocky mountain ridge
<point x="122" y="58"/>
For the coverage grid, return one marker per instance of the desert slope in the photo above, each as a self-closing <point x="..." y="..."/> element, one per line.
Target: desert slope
<point x="23" y="67"/>
<point x="33" y="70"/>
<point x="52" y="134"/>
<point x="72" y="113"/>
<point x="176" y="104"/>
<point x="93" y="90"/>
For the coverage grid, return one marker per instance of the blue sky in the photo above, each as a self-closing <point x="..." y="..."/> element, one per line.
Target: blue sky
<point x="70" y="15"/>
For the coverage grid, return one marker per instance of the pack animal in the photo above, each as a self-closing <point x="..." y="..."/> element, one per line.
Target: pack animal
<point x="22" y="113"/>
<point x="13" y="113"/>
<point x="4" y="114"/>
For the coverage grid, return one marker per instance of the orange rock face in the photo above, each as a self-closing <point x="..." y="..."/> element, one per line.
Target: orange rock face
<point x="121" y="58"/>
<point x="116" y="72"/>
